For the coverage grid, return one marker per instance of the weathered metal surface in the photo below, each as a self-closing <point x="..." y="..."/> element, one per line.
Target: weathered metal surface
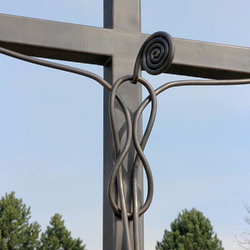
<point x="97" y="45"/>
<point x="123" y="17"/>
<point x="57" y="40"/>
<point x="210" y="60"/>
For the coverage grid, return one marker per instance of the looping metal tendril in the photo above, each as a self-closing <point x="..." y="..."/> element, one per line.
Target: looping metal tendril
<point x="121" y="154"/>
<point x="58" y="66"/>
<point x="131" y="134"/>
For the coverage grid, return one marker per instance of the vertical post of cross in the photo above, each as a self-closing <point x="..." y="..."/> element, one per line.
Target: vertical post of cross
<point x="124" y="18"/>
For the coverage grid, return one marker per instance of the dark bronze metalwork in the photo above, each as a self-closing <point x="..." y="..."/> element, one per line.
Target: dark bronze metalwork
<point x="25" y="37"/>
<point x="158" y="48"/>
<point x="156" y="54"/>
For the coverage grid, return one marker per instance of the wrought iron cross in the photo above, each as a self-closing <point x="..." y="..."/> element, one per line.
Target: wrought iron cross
<point x="115" y="47"/>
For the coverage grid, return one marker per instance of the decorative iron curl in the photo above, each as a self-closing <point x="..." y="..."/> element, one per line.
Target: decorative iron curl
<point x="156" y="54"/>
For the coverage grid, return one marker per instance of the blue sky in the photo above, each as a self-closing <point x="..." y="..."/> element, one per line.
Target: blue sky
<point x="51" y="128"/>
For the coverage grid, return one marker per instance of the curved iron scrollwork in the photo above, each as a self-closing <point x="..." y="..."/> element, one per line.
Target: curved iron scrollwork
<point x="155" y="56"/>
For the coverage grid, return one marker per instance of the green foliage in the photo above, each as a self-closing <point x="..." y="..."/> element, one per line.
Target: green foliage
<point x="17" y="233"/>
<point x="57" y="237"/>
<point x="190" y="231"/>
<point x="15" y="230"/>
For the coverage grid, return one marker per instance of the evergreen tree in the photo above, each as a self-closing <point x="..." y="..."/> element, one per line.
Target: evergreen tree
<point x="15" y="230"/>
<point x="190" y="231"/>
<point x="57" y="237"/>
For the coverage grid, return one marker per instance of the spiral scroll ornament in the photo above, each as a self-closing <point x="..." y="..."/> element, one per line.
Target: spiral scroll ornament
<point x="155" y="55"/>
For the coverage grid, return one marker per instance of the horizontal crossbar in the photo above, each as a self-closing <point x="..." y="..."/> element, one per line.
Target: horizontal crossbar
<point x="80" y="43"/>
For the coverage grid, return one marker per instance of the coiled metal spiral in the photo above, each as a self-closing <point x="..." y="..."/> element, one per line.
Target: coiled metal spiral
<point x="155" y="55"/>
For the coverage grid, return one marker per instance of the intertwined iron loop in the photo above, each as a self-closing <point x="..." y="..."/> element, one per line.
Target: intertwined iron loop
<point x="155" y="56"/>
<point x="132" y="137"/>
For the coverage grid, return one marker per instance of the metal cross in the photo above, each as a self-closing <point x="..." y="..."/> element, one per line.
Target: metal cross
<point x="115" y="47"/>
